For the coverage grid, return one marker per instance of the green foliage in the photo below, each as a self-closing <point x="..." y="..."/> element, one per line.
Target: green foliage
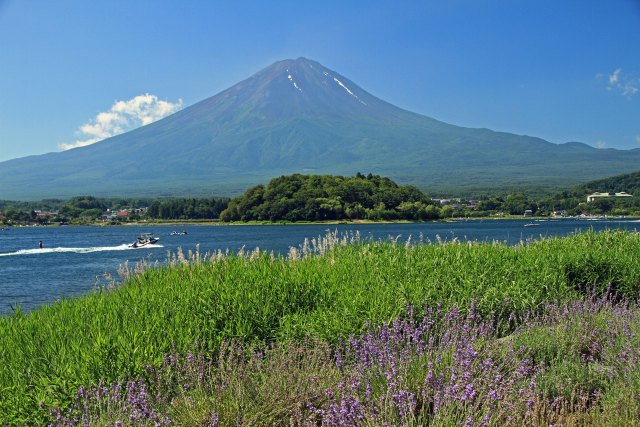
<point x="187" y="208"/>
<point x="89" y="208"/>
<point x="574" y="199"/>
<point x="112" y="335"/>
<point x="320" y="198"/>
<point x="629" y="183"/>
<point x="86" y="203"/>
<point x="516" y="204"/>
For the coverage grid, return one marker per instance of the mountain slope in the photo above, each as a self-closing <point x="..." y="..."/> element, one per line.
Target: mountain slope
<point x="299" y="116"/>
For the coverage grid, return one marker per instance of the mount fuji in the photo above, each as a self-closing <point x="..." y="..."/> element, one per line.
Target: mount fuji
<point x="298" y="116"/>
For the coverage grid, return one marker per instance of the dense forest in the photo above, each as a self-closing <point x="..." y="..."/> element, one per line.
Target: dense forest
<point x="574" y="199"/>
<point x="187" y="208"/>
<point x="629" y="183"/>
<point x="319" y="198"/>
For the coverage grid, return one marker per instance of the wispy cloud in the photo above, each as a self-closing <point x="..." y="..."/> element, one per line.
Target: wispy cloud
<point x="623" y="84"/>
<point x="600" y="144"/>
<point x="122" y="117"/>
<point x="638" y="139"/>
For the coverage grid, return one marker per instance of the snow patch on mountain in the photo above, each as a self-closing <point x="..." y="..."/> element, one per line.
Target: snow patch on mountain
<point x="290" y="77"/>
<point x="349" y="91"/>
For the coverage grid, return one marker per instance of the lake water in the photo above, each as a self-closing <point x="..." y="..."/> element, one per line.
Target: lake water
<point x="74" y="259"/>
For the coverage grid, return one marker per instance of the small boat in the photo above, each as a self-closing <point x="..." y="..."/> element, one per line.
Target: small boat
<point x="144" y="240"/>
<point x="531" y="224"/>
<point x="177" y="233"/>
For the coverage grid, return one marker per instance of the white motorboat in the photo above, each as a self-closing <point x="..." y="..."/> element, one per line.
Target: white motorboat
<point x="144" y="240"/>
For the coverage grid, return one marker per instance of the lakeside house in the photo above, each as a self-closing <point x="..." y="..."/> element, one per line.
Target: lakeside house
<point x="458" y="203"/>
<point x="44" y="214"/>
<point x="120" y="214"/>
<point x="123" y="214"/>
<point x="594" y="196"/>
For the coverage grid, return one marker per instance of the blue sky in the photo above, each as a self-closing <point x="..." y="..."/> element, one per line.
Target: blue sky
<point x="564" y="70"/>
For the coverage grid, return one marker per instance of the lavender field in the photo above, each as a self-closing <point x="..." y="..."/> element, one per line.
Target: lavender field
<point x="342" y="332"/>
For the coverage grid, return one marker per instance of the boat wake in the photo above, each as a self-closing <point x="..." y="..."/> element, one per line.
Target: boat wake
<point x="124" y="247"/>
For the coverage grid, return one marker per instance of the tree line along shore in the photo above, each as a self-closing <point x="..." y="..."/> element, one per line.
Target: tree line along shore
<point x="312" y="198"/>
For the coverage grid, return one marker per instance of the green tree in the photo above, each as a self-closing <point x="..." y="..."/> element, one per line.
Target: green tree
<point x="446" y="211"/>
<point x="355" y="211"/>
<point x="517" y="203"/>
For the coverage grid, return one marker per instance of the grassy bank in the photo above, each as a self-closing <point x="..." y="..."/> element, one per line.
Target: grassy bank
<point x="328" y="289"/>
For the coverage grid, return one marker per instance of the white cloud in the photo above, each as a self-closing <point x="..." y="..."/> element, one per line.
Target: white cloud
<point x="624" y="84"/>
<point x="600" y="144"/>
<point x="613" y="78"/>
<point x="122" y="117"/>
<point x="630" y="89"/>
<point x="638" y="139"/>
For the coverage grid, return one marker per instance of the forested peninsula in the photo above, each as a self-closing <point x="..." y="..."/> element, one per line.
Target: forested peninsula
<point x="320" y="198"/>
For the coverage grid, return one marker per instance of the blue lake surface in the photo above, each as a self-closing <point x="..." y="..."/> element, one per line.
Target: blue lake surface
<point x="73" y="260"/>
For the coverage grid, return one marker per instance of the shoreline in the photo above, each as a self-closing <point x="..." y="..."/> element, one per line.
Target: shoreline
<point x="216" y="223"/>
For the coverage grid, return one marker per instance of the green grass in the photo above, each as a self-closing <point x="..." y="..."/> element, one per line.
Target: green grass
<point x="112" y="334"/>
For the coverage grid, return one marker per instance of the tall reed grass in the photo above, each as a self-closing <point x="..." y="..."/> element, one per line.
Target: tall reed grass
<point x="328" y="289"/>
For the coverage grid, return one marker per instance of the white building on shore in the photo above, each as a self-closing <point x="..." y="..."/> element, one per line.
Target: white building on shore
<point x="594" y="196"/>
